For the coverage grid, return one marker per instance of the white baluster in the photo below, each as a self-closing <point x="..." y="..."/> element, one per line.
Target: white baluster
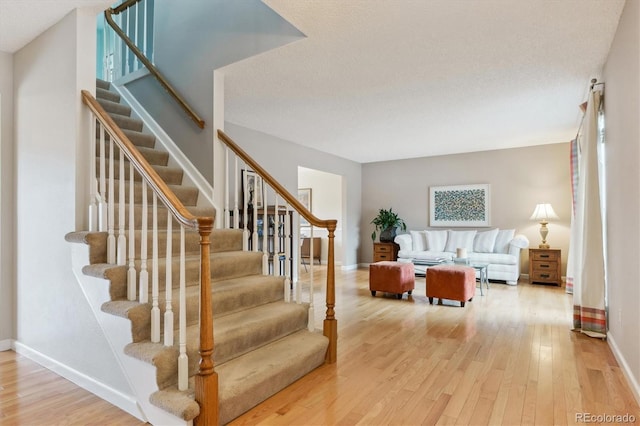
<point x="236" y="212"/>
<point x="168" y="313"/>
<point x="297" y="283"/>
<point x="287" y="255"/>
<point x="265" y="231"/>
<point x="122" y="240"/>
<point x="276" y="237"/>
<point x="131" y="273"/>
<point x="227" y="213"/>
<point x="245" y="214"/>
<point x="102" y="206"/>
<point x="93" y="196"/>
<point x="155" y="309"/>
<point x="144" y="273"/>
<point x="255" y="237"/>
<point x="310" y="324"/>
<point x="111" y="239"/>
<point x="183" y="361"/>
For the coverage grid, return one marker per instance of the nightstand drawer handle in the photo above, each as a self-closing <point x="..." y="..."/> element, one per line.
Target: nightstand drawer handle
<point x="544" y="255"/>
<point x="544" y="265"/>
<point x="544" y="275"/>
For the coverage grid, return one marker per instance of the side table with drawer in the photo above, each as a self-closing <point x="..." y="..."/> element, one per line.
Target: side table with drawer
<point x="385" y="251"/>
<point x="545" y="266"/>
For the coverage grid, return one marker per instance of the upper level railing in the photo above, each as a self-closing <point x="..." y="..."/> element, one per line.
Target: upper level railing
<point x="118" y="61"/>
<point x="248" y="206"/>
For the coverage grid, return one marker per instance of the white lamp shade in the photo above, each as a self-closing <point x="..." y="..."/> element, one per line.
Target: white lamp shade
<point x="543" y="212"/>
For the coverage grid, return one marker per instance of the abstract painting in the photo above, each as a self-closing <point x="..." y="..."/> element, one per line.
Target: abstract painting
<point x="459" y="205"/>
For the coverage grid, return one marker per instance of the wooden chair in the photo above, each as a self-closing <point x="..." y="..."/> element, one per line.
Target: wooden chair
<point x="305" y="250"/>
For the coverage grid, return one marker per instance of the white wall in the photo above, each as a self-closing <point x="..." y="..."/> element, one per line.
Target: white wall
<point x="622" y="152"/>
<point x="6" y="199"/>
<point x="519" y="178"/>
<point x="326" y="203"/>
<point x="52" y="316"/>
<point x="281" y="159"/>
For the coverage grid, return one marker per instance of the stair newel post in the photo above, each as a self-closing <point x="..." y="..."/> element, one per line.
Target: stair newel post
<point x="311" y="323"/>
<point x="168" y="313"/>
<point x="144" y="273"/>
<point x="122" y="240"/>
<point x="287" y="255"/>
<point x="330" y="326"/>
<point x="206" y="381"/>
<point x="265" y="232"/>
<point x="155" y="309"/>
<point x="111" y="239"/>
<point x="102" y="206"/>
<point x="131" y="273"/>
<point x="93" y="208"/>
<point x="183" y="360"/>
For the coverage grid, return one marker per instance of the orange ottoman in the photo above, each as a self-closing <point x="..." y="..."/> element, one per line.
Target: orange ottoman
<point x="451" y="282"/>
<point x="391" y="277"/>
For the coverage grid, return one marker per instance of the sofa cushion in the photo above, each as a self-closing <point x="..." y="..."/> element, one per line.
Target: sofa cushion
<point x="419" y="240"/>
<point x="485" y="241"/>
<point x="502" y="240"/>
<point x="436" y="240"/>
<point x="494" y="258"/>
<point x="460" y="239"/>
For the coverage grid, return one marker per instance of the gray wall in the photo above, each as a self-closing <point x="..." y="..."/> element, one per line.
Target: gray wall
<point x="622" y="148"/>
<point x="7" y="274"/>
<point x="281" y="159"/>
<point x="191" y="42"/>
<point x="53" y="317"/>
<point x="519" y="178"/>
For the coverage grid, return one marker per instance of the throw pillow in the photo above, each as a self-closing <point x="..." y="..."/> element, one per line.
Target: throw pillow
<point x="502" y="240"/>
<point x="418" y="240"/>
<point x="485" y="241"/>
<point x="460" y="239"/>
<point x="436" y="240"/>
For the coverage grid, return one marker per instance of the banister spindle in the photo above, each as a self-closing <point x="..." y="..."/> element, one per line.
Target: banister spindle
<point x="297" y="283"/>
<point x="311" y="322"/>
<point x="245" y="212"/>
<point x="276" y="237"/>
<point x="168" y="313"/>
<point x="122" y="240"/>
<point x="131" y="273"/>
<point x="93" y="195"/>
<point x="144" y="234"/>
<point x="265" y="232"/>
<point x="287" y="255"/>
<point x="236" y="211"/>
<point x="155" y="309"/>
<point x="183" y="360"/>
<point x="227" y="213"/>
<point x="111" y="238"/>
<point x="102" y="206"/>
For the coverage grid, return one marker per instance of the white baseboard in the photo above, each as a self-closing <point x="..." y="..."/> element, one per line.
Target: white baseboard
<point x="6" y="345"/>
<point x="115" y="397"/>
<point x="349" y="267"/>
<point x="633" y="381"/>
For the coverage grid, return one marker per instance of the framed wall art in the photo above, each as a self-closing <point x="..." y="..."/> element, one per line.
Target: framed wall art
<point x="460" y="205"/>
<point x="252" y="188"/>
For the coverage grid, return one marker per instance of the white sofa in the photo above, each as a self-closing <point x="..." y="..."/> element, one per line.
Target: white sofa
<point x="500" y="248"/>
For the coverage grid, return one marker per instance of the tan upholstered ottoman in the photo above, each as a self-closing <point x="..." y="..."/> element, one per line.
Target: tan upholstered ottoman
<point x="391" y="277"/>
<point x="451" y="282"/>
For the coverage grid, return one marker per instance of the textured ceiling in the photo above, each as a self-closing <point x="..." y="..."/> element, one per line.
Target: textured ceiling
<point x="387" y="79"/>
<point x="23" y="20"/>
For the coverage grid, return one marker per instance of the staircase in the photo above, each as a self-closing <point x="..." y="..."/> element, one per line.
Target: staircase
<point x="261" y="342"/>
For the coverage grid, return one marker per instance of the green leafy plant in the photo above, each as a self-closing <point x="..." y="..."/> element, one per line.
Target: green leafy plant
<point x="386" y="219"/>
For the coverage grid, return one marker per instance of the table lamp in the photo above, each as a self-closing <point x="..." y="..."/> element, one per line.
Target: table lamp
<point x="542" y="213"/>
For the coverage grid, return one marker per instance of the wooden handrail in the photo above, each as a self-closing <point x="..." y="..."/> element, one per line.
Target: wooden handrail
<point x="152" y="69"/>
<point x="206" y="383"/>
<point x="293" y="201"/>
<point x="330" y="325"/>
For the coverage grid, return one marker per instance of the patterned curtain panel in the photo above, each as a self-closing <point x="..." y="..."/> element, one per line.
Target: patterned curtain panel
<point x="574" y="167"/>
<point x="585" y="268"/>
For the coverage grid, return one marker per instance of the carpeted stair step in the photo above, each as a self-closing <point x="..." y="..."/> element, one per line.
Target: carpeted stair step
<point x="107" y="95"/>
<point x="139" y="139"/>
<point x="188" y="195"/>
<point x="234" y="335"/>
<point x="115" y="107"/>
<point x="126" y="122"/>
<point x="153" y="156"/>
<point x="97" y="242"/>
<point x="255" y="290"/>
<point x="102" y="84"/>
<point x="171" y="175"/>
<point x="249" y="379"/>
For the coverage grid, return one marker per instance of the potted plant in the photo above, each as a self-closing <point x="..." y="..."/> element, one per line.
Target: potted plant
<point x="387" y="221"/>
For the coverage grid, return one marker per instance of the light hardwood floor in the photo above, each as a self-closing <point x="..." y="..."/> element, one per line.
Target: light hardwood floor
<point x="508" y="357"/>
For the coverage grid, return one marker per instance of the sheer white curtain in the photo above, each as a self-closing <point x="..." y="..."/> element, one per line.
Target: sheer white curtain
<point x="586" y="262"/>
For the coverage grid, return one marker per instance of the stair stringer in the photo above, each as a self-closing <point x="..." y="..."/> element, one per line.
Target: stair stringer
<point x="141" y="376"/>
<point x="192" y="177"/>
